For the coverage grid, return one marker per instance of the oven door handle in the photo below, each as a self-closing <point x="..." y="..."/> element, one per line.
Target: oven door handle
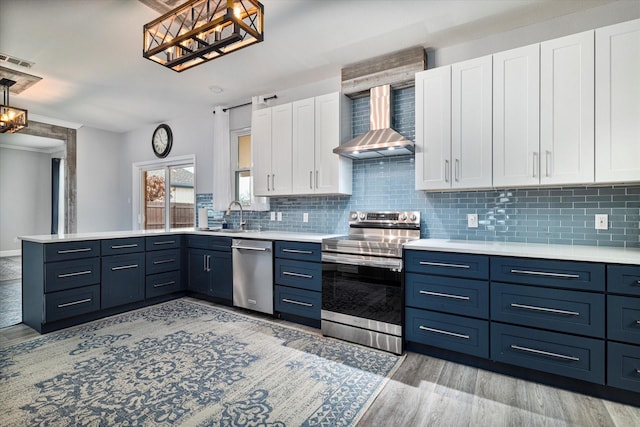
<point x="395" y="265"/>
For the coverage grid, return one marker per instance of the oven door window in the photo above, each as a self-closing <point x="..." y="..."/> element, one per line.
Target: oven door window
<point x="360" y="291"/>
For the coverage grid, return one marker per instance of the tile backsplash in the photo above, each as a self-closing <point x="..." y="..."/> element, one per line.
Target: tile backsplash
<point x="533" y="215"/>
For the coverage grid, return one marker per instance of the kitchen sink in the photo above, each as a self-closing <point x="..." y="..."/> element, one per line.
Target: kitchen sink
<point x="228" y="230"/>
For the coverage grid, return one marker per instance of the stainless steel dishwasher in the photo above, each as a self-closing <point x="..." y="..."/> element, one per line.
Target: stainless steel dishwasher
<point x="253" y="274"/>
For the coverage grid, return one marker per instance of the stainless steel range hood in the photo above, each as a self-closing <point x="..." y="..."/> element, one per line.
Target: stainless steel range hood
<point x="381" y="140"/>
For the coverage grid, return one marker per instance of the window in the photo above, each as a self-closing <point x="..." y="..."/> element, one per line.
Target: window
<point x="243" y="180"/>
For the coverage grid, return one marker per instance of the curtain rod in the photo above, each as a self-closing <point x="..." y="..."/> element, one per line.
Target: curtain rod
<point x="245" y="104"/>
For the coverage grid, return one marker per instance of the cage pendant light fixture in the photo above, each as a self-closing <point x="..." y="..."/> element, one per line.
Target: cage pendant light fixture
<point x="12" y="119"/>
<point x="201" y="30"/>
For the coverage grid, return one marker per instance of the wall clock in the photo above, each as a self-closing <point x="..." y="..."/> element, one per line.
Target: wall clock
<point x="162" y="140"/>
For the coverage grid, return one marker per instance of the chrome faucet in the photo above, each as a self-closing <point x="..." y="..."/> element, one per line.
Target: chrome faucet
<point x="235" y="202"/>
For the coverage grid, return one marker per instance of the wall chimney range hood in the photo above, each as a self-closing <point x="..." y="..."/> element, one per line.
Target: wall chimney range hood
<point x="380" y="140"/>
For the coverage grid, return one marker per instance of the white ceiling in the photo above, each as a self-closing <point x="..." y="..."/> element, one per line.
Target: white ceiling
<point x="89" y="52"/>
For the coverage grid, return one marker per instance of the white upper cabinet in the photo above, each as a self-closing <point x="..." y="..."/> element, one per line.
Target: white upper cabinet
<point x="567" y="110"/>
<point x="433" y="129"/>
<point x="618" y="103"/>
<point x="261" y="150"/>
<point x="516" y="119"/>
<point x="271" y="134"/>
<point x="304" y="142"/>
<point x="471" y="122"/>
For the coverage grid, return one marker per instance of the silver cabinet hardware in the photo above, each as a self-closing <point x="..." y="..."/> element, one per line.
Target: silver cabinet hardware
<point x="164" y="261"/>
<point x="124" y="267"/>
<point x="273" y="182"/>
<point x="297" y="251"/>
<point x="304" y="276"/>
<point x="68" y="304"/>
<point x="268" y="189"/>
<point x="457" y="174"/>
<point x="545" y="353"/>
<point x="548" y="161"/>
<point x="311" y="180"/>
<point x="638" y="282"/>
<point x="73" y="251"/>
<point x="440" y="331"/>
<point x="546" y="274"/>
<point x="446" y="171"/>
<point x="545" y="309"/>
<point x="250" y="248"/>
<point x="160" y="285"/>
<point x="165" y="242"/>
<point x="535" y="164"/>
<point x="638" y="371"/>
<point x="316" y="179"/>
<point x="637" y="322"/>
<point x="204" y="263"/>
<point x="77" y="273"/>
<point x="443" y="264"/>
<point x="208" y="263"/>
<point x="290" y="301"/>
<point x="133" y="245"/>
<point x="438" y="294"/>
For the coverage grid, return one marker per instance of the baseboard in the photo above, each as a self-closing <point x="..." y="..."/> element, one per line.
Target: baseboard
<point x="16" y="252"/>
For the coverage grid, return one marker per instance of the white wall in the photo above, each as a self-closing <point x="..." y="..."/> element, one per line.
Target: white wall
<point x="25" y="196"/>
<point x="100" y="202"/>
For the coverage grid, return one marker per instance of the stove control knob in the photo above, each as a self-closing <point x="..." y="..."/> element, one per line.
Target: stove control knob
<point x="403" y="217"/>
<point x="363" y="216"/>
<point x="413" y="217"/>
<point x="354" y="216"/>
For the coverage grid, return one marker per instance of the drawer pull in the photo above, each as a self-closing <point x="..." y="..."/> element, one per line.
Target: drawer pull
<point x="438" y="294"/>
<point x="164" y="261"/>
<point x="160" y="285"/>
<point x="77" y="273"/>
<point x="304" y="276"/>
<point x="124" y="267"/>
<point x="68" y="304"/>
<point x="546" y="310"/>
<point x="73" y="251"/>
<point x="637" y="322"/>
<point x="440" y="331"/>
<point x="164" y="242"/>
<point x="638" y="371"/>
<point x="638" y="282"/>
<point x="133" y="245"/>
<point x="545" y="353"/>
<point x="443" y="264"/>
<point x="290" y="301"/>
<point x="297" y="251"/>
<point x="546" y="274"/>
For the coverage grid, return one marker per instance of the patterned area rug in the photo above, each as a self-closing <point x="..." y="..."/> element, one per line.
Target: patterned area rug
<point x="186" y="363"/>
<point x="10" y="269"/>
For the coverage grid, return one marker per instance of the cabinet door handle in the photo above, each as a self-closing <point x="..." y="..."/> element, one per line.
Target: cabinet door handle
<point x="546" y="274"/>
<point x="273" y="182"/>
<point x="68" y="304"/>
<point x="297" y="251"/>
<point x="446" y="171"/>
<point x="208" y="262"/>
<point x="160" y="285"/>
<point x="311" y="180"/>
<point x="438" y="294"/>
<point x="545" y="309"/>
<point x="133" y="245"/>
<point x="268" y="189"/>
<point x="124" y="267"/>
<point x="290" y="301"/>
<point x="164" y="261"/>
<point x="440" y="331"/>
<point x="316" y="179"/>
<point x="638" y="371"/>
<point x="535" y="164"/>
<point x="165" y="242"/>
<point x="637" y="322"/>
<point x="304" y="276"/>
<point x="77" y="273"/>
<point x="457" y="174"/>
<point x="547" y="161"/>
<point x="73" y="251"/>
<point x="204" y="263"/>
<point x="443" y="264"/>
<point x="545" y="353"/>
<point x="637" y="283"/>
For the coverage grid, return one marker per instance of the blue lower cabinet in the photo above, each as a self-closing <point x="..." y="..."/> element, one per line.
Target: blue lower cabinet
<point x="555" y="353"/>
<point x="457" y="333"/>
<point x="299" y="302"/>
<point x="623" y="319"/>
<point x="70" y="303"/>
<point x="447" y="264"/>
<point x="163" y="284"/>
<point x="623" y="279"/>
<point x="64" y="275"/>
<point x="623" y="366"/>
<point x="123" y="279"/>
<point x="163" y="261"/>
<point x="299" y="274"/>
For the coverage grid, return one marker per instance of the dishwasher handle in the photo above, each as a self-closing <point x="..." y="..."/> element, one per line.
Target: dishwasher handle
<point x="251" y="248"/>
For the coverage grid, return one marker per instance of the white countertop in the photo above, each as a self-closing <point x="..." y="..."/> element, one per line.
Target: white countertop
<point x="531" y="250"/>
<point x="251" y="234"/>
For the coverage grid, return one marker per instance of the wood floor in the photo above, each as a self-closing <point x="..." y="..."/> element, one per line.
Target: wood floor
<point x="427" y="391"/>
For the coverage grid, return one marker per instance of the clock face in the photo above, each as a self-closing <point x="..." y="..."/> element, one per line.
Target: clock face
<point x="162" y="140"/>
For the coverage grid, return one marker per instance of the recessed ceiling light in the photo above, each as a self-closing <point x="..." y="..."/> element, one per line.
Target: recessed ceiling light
<point x="215" y="89"/>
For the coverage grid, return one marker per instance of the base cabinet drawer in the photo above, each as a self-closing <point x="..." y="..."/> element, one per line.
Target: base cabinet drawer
<point x="298" y="250"/>
<point x="70" y="303"/>
<point x="623" y="319"/>
<point x="554" y="309"/>
<point x="122" y="246"/>
<point x="64" y="275"/>
<point x="71" y="250"/>
<point x="163" y="284"/>
<point x="157" y="243"/>
<point x="552" y="352"/>
<point x="123" y="280"/>
<point x="623" y="279"/>
<point x="299" y="302"/>
<point x="299" y="274"/>
<point x="461" y="334"/>
<point x="623" y="367"/>
<point x="447" y="264"/>
<point x="162" y="261"/>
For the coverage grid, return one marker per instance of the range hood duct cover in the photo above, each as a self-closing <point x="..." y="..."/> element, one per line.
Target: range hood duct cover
<point x="381" y="140"/>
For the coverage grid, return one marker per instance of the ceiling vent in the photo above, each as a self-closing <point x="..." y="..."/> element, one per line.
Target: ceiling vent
<point x="15" y="61"/>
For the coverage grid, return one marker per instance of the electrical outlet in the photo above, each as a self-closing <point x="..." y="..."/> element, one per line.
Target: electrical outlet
<point x="472" y="220"/>
<point x="279" y="216"/>
<point x="602" y="222"/>
<point x="305" y="217"/>
<point x="273" y="216"/>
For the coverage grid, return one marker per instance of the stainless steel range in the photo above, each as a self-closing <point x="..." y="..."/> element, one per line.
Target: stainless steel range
<point x="362" y="285"/>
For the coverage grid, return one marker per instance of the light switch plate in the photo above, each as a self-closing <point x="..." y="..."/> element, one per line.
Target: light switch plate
<point x="279" y="216"/>
<point x="305" y="217"/>
<point x="273" y="216"/>
<point x="472" y="220"/>
<point x="602" y="222"/>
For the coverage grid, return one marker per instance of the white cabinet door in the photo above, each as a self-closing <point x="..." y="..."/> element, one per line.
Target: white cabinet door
<point x="281" y="137"/>
<point x="303" y="157"/>
<point x="516" y="119"/>
<point x="567" y="110"/>
<point x="433" y="129"/>
<point x="618" y="103"/>
<point x="261" y="150"/>
<point x="332" y="174"/>
<point x="471" y="121"/>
